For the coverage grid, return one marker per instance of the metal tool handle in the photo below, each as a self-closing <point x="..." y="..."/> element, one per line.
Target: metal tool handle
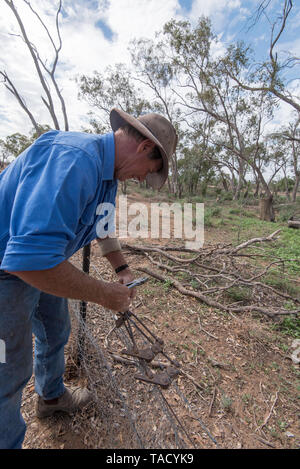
<point x="137" y="282"/>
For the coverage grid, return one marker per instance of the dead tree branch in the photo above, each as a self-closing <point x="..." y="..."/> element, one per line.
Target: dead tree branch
<point x="40" y="66"/>
<point x="10" y="86"/>
<point x="229" y="275"/>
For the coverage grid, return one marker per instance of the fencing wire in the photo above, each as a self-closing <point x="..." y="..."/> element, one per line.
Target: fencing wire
<point x="144" y="418"/>
<point x="152" y="424"/>
<point x="179" y="442"/>
<point x="175" y="423"/>
<point x="142" y="429"/>
<point x="107" y="395"/>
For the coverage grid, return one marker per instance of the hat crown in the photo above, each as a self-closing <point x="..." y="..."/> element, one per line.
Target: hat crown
<point x="158" y="129"/>
<point x="162" y="130"/>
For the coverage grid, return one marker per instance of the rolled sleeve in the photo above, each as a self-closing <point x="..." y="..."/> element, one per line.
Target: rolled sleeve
<point x="49" y="203"/>
<point x="33" y="253"/>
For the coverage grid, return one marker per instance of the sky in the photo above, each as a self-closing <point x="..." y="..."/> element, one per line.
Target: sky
<point x="96" y="34"/>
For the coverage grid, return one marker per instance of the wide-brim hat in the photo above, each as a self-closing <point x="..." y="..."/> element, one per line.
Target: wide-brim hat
<point x="158" y="129"/>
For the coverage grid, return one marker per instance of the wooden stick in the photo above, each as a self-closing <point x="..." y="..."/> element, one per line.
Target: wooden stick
<point x="212" y="402"/>
<point x="270" y="413"/>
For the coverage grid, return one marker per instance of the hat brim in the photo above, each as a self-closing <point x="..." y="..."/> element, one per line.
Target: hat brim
<point x="119" y="118"/>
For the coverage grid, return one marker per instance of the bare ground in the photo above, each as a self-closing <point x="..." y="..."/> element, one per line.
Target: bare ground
<point x="239" y="380"/>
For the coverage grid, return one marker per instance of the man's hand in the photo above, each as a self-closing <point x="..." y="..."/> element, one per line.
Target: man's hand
<point x="117" y="297"/>
<point x="126" y="276"/>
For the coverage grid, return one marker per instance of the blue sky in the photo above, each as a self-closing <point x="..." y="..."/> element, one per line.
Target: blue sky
<point x="96" y="33"/>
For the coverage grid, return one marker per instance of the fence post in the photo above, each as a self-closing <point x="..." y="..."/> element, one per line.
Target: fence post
<point x="83" y="305"/>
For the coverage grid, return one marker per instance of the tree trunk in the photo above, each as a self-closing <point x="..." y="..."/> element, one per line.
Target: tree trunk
<point x="174" y="174"/>
<point x="295" y="188"/>
<point x="180" y="188"/>
<point x="266" y="209"/>
<point x="286" y="183"/>
<point x="124" y="187"/>
<point x="240" y="183"/>
<point x="225" y="185"/>
<point x="257" y="187"/>
<point x="232" y="183"/>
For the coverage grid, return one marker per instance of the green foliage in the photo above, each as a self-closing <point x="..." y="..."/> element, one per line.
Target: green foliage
<point x="226" y="196"/>
<point x="113" y="88"/>
<point x="226" y="402"/>
<point x="276" y="279"/>
<point x="286" y="212"/>
<point x="195" y="169"/>
<point x="284" y="183"/>
<point x="235" y="211"/>
<point x="167" y="285"/>
<point x="290" y="326"/>
<point x="210" y="214"/>
<point x="16" y="143"/>
<point x="13" y="145"/>
<point x="288" y="247"/>
<point x="242" y="294"/>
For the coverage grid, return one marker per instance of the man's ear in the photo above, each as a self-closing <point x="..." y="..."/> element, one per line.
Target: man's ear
<point x="146" y="146"/>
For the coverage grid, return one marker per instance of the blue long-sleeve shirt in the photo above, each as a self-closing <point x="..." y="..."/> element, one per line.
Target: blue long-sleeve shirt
<point x="49" y="198"/>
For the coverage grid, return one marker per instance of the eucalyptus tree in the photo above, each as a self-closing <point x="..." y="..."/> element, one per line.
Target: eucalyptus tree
<point x="295" y="144"/>
<point x="273" y="76"/>
<point x="112" y="88"/>
<point x="195" y="171"/>
<point x="205" y="88"/>
<point x="288" y="139"/>
<point x="196" y="167"/>
<point x="14" y="144"/>
<point x="154" y="70"/>
<point x="269" y="76"/>
<point x="45" y="69"/>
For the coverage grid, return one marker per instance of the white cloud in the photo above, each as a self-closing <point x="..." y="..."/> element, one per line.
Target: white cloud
<point x="131" y="18"/>
<point x="217" y="10"/>
<point x="84" y="50"/>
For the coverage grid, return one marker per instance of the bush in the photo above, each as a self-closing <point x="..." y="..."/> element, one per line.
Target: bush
<point x="235" y="211"/>
<point x="290" y="326"/>
<point x="239" y="293"/>
<point x="285" y="213"/>
<point x="226" y="196"/>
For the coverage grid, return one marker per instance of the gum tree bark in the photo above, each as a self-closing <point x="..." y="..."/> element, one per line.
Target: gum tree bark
<point x="41" y="68"/>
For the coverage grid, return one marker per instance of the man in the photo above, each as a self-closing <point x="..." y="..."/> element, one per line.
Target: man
<point x="50" y="198"/>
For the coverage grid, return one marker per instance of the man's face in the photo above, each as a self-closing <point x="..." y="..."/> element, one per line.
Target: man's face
<point x="138" y="168"/>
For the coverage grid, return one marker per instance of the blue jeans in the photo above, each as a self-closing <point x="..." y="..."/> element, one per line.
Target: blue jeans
<point x="24" y="311"/>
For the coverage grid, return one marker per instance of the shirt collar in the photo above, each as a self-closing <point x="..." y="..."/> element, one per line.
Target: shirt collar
<point x="108" y="156"/>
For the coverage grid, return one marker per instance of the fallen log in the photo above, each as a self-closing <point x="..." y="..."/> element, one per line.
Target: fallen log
<point x="293" y="224"/>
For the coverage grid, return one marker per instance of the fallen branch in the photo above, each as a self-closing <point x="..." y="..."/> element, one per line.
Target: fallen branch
<point x="212" y="402"/>
<point x="210" y="302"/>
<point x="181" y="288"/>
<point x="265" y="442"/>
<point x="269" y="414"/>
<point x="218" y="272"/>
<point x="244" y="245"/>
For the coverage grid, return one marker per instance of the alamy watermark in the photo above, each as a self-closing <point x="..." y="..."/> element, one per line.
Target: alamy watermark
<point x="154" y="220"/>
<point x="2" y="351"/>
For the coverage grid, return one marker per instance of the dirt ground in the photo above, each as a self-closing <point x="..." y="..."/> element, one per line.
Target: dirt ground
<point x="240" y="383"/>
